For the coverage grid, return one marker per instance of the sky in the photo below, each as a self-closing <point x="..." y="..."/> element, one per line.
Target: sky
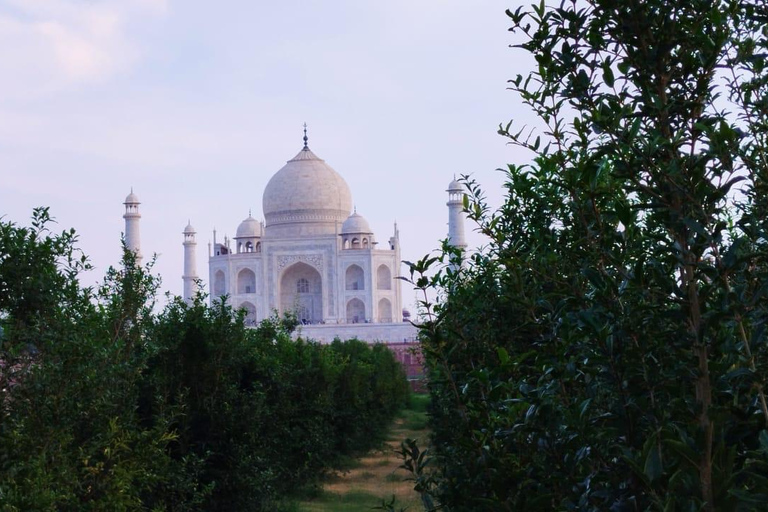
<point x="196" y="104"/>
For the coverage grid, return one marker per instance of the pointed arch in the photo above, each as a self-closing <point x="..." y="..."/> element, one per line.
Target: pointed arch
<point x="354" y="278"/>
<point x="246" y="281"/>
<point x="301" y="291"/>
<point x="219" y="284"/>
<point x="383" y="278"/>
<point x="385" y="311"/>
<point x="250" y="312"/>
<point x="355" y="311"/>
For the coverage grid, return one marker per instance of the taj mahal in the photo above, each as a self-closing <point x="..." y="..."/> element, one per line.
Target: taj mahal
<point x="312" y="256"/>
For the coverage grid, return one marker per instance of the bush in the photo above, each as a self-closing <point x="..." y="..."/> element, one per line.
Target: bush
<point x="106" y="405"/>
<point x="607" y="349"/>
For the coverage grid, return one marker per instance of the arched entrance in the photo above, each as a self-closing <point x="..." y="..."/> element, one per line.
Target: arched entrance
<point x="355" y="278"/>
<point x="250" y="313"/>
<point x="355" y="311"/>
<point x="219" y="284"/>
<point x="301" y="291"/>
<point x="246" y="281"/>
<point x="385" y="311"/>
<point x="383" y="278"/>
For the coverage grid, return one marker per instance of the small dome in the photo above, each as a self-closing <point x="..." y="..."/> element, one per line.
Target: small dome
<point x="132" y="198"/>
<point x="455" y="186"/>
<point x="189" y="230"/>
<point x="355" y="223"/>
<point x="249" y="228"/>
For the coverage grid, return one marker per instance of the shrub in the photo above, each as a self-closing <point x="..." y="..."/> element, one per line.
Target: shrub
<point x="607" y="350"/>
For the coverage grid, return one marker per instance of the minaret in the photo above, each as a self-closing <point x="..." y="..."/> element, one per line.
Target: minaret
<point x="397" y="311"/>
<point x="190" y="264"/>
<point x="132" y="216"/>
<point x="456" y="216"/>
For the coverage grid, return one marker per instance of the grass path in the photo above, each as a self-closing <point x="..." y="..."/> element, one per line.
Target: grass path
<point x="376" y="476"/>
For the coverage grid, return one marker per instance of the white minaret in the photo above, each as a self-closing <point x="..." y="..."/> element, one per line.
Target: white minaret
<point x="132" y="217"/>
<point x="456" y="216"/>
<point x="190" y="264"/>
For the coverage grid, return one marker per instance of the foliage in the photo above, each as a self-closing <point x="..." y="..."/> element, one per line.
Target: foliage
<point x="377" y="382"/>
<point x="607" y="349"/>
<point x="107" y="405"/>
<point x="69" y="436"/>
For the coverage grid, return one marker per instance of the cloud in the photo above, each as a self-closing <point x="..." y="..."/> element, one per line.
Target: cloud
<point x="50" y="45"/>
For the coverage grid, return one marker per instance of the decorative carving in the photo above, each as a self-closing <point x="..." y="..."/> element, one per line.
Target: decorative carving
<point x="314" y="260"/>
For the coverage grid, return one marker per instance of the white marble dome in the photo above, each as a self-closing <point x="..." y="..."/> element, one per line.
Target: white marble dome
<point x="131" y="198"/>
<point x="189" y="230"/>
<point x="355" y="223"/>
<point x="305" y="197"/>
<point x="249" y="228"/>
<point x="455" y="186"/>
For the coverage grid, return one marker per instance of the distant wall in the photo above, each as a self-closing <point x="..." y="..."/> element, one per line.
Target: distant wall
<point x="400" y="338"/>
<point x="409" y="355"/>
<point x="385" y="333"/>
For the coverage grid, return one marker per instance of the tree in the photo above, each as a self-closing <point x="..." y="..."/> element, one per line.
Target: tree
<point x="69" y="433"/>
<point x="107" y="405"/>
<point x="607" y="350"/>
<point x="38" y="272"/>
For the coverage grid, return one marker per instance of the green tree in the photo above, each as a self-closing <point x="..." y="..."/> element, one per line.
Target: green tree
<point x="38" y="284"/>
<point x="607" y="350"/>
<point x="107" y="405"/>
<point x="69" y="434"/>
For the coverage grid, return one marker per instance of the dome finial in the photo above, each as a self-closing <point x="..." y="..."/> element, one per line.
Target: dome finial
<point x="306" y="139"/>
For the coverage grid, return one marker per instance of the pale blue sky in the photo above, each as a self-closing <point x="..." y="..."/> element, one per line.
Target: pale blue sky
<point x="196" y="104"/>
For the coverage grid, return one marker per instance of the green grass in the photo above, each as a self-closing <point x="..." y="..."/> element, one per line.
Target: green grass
<point x="367" y="482"/>
<point x="415" y="423"/>
<point x="394" y="477"/>
<point x="351" y="501"/>
<point x="419" y="402"/>
<point x="347" y="464"/>
<point x="414" y="416"/>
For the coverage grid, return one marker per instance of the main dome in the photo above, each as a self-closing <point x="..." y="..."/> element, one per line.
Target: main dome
<point x="305" y="197"/>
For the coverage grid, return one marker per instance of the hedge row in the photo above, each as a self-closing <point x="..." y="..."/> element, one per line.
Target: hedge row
<point x="106" y="405"/>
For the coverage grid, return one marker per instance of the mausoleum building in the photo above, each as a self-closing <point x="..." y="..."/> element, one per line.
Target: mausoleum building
<point x="313" y="256"/>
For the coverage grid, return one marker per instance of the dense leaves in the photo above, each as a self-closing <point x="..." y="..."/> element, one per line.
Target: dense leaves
<point x="106" y="405"/>
<point x="607" y="349"/>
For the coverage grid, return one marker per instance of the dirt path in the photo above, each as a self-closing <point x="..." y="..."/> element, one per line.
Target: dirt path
<point x="376" y="476"/>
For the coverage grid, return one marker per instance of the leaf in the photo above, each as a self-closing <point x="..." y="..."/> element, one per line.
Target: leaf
<point x="584" y="406"/>
<point x="764" y="440"/>
<point x="683" y="450"/>
<point x="503" y="355"/>
<point x="653" y="468"/>
<point x="624" y="213"/>
<point x="608" y="74"/>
